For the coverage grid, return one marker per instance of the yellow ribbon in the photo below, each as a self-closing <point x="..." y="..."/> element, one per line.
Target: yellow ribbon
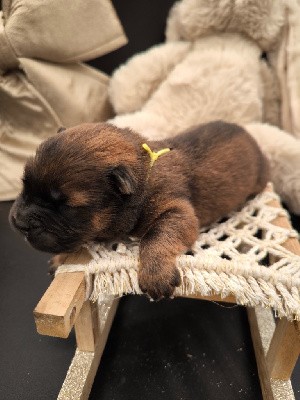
<point x="153" y="154"/>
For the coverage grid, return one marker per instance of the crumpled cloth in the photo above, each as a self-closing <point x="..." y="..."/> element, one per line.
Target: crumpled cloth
<point x="43" y="84"/>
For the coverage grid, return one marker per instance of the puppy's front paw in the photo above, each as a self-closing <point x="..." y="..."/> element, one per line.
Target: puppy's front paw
<point x="55" y="262"/>
<point x="160" y="284"/>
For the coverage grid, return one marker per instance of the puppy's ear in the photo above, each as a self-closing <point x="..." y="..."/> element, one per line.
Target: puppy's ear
<point x="122" y="180"/>
<point x="61" y="129"/>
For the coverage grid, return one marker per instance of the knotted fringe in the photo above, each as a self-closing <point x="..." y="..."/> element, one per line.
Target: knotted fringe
<point x="204" y="276"/>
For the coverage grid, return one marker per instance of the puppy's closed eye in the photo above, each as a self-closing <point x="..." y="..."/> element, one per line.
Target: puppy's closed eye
<point x="56" y="199"/>
<point x="56" y="195"/>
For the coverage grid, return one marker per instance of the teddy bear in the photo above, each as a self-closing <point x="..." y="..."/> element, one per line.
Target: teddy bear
<point x="219" y="61"/>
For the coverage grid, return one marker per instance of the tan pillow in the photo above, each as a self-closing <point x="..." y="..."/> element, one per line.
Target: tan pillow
<point x="42" y="84"/>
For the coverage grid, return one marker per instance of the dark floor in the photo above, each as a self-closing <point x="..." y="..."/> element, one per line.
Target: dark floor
<point x="176" y="349"/>
<point x="179" y="349"/>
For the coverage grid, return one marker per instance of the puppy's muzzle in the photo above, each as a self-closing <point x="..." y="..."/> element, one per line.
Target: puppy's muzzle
<point x="37" y="230"/>
<point x="25" y="225"/>
<point x="19" y="226"/>
<point x="22" y="220"/>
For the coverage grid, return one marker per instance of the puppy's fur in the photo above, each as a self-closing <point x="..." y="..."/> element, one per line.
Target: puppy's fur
<point x="93" y="182"/>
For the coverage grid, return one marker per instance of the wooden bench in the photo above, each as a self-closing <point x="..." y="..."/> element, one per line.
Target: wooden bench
<point x="276" y="342"/>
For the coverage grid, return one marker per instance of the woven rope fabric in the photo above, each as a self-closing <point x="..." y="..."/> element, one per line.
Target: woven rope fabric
<point x="231" y="257"/>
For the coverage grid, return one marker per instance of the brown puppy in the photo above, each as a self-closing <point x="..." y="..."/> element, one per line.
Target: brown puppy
<point x="95" y="182"/>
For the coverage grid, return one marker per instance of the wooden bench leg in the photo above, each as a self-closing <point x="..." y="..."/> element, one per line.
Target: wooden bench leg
<point x="284" y="350"/>
<point x="265" y="335"/>
<point x="62" y="306"/>
<point x="92" y="328"/>
<point x="86" y="327"/>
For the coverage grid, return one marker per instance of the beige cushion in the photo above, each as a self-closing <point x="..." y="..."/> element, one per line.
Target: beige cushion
<point x="42" y="83"/>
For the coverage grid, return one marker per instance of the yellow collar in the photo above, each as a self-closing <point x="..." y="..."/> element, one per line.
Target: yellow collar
<point x="154" y="155"/>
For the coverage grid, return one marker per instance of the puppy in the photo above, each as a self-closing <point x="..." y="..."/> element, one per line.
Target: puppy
<point x="96" y="182"/>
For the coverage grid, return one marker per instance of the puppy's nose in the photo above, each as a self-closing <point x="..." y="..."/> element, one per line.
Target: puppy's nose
<point x="21" y="226"/>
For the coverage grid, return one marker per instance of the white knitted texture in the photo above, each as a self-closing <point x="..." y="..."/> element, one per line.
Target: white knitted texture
<point x="231" y="257"/>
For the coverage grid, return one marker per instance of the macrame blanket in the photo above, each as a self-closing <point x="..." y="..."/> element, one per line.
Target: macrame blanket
<point x="242" y="255"/>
